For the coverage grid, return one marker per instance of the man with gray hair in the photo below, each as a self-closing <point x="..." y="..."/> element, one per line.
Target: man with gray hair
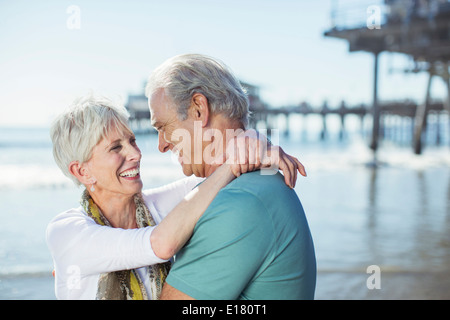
<point x="253" y="241"/>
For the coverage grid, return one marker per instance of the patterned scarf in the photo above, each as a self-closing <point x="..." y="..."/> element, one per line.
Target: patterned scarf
<point x="126" y="284"/>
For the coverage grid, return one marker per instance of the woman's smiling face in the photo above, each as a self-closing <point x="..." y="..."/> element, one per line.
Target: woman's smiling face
<point x="115" y="163"/>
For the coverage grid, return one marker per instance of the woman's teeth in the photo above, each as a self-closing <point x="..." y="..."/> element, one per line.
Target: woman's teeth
<point x="130" y="173"/>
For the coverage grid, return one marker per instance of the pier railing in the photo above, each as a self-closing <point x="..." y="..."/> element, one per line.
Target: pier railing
<point x="397" y="119"/>
<point x="390" y="112"/>
<point x="353" y="14"/>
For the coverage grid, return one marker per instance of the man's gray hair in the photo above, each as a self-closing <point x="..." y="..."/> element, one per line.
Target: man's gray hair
<point x="77" y="130"/>
<point x="184" y="75"/>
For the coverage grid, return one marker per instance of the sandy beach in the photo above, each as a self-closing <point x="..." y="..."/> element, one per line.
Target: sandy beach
<point x="330" y="286"/>
<point x="394" y="286"/>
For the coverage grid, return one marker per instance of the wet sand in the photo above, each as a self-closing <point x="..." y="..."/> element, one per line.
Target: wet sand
<point x="394" y="286"/>
<point x="330" y="286"/>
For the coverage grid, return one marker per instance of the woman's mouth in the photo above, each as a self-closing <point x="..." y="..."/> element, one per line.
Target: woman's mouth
<point x="130" y="173"/>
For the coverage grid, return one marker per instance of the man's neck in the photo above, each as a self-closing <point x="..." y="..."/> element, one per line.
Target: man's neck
<point x="226" y="127"/>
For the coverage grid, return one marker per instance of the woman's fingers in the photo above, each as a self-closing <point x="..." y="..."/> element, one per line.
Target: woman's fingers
<point x="242" y="151"/>
<point x="286" y="173"/>
<point x="301" y="167"/>
<point x="252" y="151"/>
<point x="290" y="171"/>
<point x="249" y="151"/>
<point x="290" y="165"/>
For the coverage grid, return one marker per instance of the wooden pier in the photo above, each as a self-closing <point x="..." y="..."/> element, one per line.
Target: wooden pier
<point x="419" y="29"/>
<point x="406" y="111"/>
<point x="397" y="118"/>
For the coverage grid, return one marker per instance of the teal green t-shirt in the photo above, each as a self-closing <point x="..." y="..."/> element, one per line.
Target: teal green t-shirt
<point x="253" y="242"/>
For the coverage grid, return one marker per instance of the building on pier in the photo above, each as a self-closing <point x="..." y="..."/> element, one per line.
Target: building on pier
<point x="419" y="29"/>
<point x="137" y="107"/>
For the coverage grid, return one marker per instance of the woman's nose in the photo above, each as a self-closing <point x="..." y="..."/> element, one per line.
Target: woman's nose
<point x="134" y="153"/>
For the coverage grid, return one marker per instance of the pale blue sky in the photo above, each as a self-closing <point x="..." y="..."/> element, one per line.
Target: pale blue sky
<point x="278" y="45"/>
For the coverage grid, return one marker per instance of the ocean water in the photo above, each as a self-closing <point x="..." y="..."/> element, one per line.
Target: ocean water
<point x="395" y="216"/>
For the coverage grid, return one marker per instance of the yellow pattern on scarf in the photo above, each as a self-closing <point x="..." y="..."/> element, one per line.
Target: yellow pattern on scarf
<point x="134" y="283"/>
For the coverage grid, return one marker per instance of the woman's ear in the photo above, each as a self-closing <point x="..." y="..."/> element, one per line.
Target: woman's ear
<point x="200" y="108"/>
<point x="80" y="172"/>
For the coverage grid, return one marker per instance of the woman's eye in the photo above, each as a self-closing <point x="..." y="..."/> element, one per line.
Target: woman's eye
<point x="116" y="147"/>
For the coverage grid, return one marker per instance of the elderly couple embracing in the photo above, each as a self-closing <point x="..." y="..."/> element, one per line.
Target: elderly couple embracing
<point x="230" y="230"/>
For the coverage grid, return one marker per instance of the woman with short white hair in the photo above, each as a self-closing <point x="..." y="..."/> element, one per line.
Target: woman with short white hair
<point x="119" y="242"/>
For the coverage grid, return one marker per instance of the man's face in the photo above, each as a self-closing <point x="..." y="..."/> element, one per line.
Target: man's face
<point x="174" y="134"/>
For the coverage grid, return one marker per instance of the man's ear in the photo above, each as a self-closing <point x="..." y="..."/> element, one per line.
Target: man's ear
<point x="200" y="108"/>
<point x="80" y="172"/>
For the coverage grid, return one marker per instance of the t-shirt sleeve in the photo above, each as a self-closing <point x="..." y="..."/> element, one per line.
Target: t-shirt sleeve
<point x="229" y="244"/>
<point x="76" y="240"/>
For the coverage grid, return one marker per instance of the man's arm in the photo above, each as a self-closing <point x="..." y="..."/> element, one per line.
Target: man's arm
<point x="170" y="293"/>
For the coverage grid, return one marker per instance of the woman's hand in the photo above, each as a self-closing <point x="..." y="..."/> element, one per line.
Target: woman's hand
<point x="250" y="151"/>
<point x="288" y="164"/>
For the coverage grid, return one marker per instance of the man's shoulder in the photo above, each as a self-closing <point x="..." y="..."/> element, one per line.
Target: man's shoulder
<point x="255" y="197"/>
<point x="258" y="183"/>
<point x="266" y="187"/>
<point x="235" y="203"/>
<point x="264" y="177"/>
<point x="246" y="198"/>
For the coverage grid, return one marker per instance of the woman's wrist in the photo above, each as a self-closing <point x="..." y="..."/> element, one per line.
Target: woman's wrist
<point x="224" y="173"/>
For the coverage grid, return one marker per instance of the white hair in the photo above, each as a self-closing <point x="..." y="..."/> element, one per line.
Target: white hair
<point x="77" y="130"/>
<point x="184" y="75"/>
